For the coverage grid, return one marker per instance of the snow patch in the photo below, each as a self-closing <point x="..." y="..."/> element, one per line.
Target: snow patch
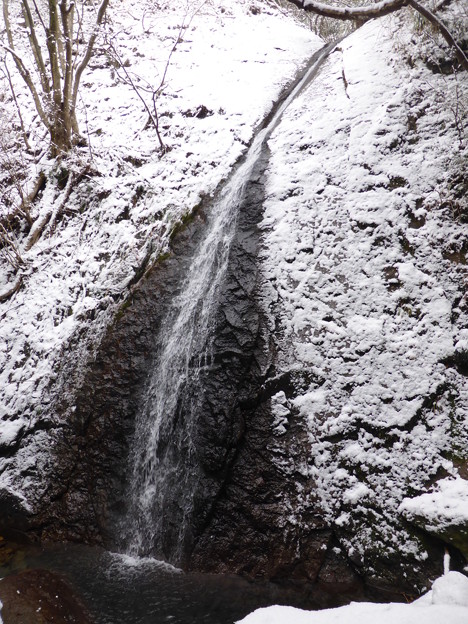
<point x="446" y="506"/>
<point x="446" y="602"/>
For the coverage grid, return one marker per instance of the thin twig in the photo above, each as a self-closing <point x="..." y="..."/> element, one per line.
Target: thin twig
<point x="18" y="108"/>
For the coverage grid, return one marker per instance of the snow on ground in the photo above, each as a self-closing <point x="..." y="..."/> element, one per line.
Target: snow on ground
<point x="446" y="602"/>
<point x="231" y="64"/>
<point x="365" y="280"/>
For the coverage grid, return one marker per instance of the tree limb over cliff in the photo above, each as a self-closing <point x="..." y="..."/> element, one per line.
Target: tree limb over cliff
<point x="360" y="13"/>
<point x="364" y="13"/>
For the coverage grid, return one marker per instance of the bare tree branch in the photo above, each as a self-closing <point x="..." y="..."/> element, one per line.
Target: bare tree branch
<point x="21" y="66"/>
<point x="153" y="119"/>
<point x="26" y="76"/>
<point x="153" y="116"/>
<point x="361" y="13"/>
<point x="433" y="19"/>
<point x="89" y="50"/>
<point x="379" y="10"/>
<point x="39" y="15"/>
<point x="6" y="72"/>
<point x="10" y="248"/>
<point x="35" y="47"/>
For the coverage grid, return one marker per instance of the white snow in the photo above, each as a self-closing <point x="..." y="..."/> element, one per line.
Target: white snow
<point x="359" y="281"/>
<point x="362" y="614"/>
<point x="10" y="431"/>
<point x="447" y="505"/>
<point x="279" y="412"/>
<point x="446" y="602"/>
<point x="450" y="589"/>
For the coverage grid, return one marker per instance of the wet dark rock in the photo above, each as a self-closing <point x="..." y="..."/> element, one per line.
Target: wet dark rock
<point x="459" y="361"/>
<point x="89" y="467"/>
<point x="40" y="597"/>
<point x="13" y="513"/>
<point x="200" y="112"/>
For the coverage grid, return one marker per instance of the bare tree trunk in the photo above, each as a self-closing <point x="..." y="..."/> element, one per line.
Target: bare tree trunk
<point x="54" y="86"/>
<point x="87" y="56"/>
<point x="61" y="132"/>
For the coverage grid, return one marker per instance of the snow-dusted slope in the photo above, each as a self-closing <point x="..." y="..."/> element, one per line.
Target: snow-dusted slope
<point x="232" y="62"/>
<point x="365" y="281"/>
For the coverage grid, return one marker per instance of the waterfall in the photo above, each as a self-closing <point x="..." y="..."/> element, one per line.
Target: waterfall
<point x="165" y="475"/>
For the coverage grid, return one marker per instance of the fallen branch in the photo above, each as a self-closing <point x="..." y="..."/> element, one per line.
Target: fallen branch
<point x="24" y="208"/>
<point x="361" y="13"/>
<point x="50" y="217"/>
<point x="58" y="209"/>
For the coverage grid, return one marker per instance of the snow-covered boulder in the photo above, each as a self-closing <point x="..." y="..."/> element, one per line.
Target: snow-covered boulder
<point x="443" y="511"/>
<point x="450" y="589"/>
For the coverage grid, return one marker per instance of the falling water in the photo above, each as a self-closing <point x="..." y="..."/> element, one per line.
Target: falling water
<point x="165" y="475"/>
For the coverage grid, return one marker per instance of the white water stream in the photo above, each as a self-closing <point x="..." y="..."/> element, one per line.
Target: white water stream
<point x="164" y="473"/>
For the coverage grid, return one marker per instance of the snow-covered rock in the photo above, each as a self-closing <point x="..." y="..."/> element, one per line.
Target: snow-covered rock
<point x="364" y="285"/>
<point x="443" y="511"/>
<point x="451" y="589"/>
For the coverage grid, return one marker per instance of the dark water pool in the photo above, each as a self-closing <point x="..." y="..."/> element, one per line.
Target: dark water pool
<point x="120" y="590"/>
